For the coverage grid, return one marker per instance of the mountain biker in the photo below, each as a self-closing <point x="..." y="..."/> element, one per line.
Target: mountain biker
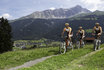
<point x="81" y="34"/>
<point x="97" y="32"/>
<point x="67" y="32"/>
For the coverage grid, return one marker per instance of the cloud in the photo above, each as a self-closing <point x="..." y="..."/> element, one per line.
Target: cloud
<point x="6" y="15"/>
<point x="20" y="8"/>
<point x="52" y="8"/>
<point x="94" y="4"/>
<point x="92" y="1"/>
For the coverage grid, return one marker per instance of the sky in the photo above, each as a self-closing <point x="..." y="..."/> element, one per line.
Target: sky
<point x="13" y="9"/>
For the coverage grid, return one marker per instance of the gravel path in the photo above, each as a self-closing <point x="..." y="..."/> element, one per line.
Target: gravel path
<point x="31" y="63"/>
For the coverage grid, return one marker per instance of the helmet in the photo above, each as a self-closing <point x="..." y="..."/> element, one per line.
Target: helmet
<point x="96" y="23"/>
<point x="80" y="27"/>
<point x="66" y="24"/>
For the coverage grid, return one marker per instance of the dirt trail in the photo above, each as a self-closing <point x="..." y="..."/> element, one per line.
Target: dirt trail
<point x="31" y="63"/>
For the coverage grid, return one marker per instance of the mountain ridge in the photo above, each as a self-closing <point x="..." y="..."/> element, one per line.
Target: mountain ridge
<point x="59" y="13"/>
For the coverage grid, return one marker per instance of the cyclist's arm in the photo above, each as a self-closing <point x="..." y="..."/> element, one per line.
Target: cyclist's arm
<point x="100" y="30"/>
<point x="93" y="30"/>
<point x="77" y="32"/>
<point x="70" y="31"/>
<point x="83" y="33"/>
<point x="63" y="32"/>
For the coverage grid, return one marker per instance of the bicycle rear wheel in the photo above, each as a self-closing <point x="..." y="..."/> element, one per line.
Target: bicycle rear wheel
<point x="78" y="44"/>
<point x="62" y="48"/>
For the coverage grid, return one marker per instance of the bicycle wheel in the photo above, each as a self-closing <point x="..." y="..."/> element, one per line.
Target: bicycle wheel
<point x="78" y="44"/>
<point x="98" y="44"/>
<point x="62" y="48"/>
<point x="83" y="44"/>
<point x="71" y="45"/>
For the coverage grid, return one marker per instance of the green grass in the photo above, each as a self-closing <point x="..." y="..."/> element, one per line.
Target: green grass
<point x="15" y="58"/>
<point x="91" y="62"/>
<point x="61" y="61"/>
<point x="88" y="30"/>
<point x="41" y="40"/>
<point x="94" y="62"/>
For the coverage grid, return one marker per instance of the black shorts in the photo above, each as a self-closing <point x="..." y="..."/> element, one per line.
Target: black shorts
<point x="80" y="37"/>
<point x="66" y="37"/>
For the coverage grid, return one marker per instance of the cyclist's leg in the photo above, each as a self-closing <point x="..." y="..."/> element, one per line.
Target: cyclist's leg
<point x="70" y="43"/>
<point x="99" y="42"/>
<point x="98" y="46"/>
<point x="66" y="41"/>
<point x="95" y="44"/>
<point x="81" y="42"/>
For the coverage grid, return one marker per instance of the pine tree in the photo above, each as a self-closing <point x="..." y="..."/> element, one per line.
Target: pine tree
<point x="6" y="43"/>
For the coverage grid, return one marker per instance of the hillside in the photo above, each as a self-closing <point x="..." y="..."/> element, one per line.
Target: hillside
<point x="94" y="14"/>
<point x="50" y="28"/>
<point x="30" y="28"/>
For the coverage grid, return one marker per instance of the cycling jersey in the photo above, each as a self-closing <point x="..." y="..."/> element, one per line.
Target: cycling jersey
<point x="81" y="33"/>
<point x="97" y="29"/>
<point x="67" y="30"/>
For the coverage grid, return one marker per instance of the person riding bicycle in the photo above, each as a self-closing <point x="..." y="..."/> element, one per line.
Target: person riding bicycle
<point x="67" y="32"/>
<point x="97" y="32"/>
<point x="81" y="34"/>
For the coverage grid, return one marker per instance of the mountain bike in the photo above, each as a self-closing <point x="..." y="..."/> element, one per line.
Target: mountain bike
<point x="63" y="48"/>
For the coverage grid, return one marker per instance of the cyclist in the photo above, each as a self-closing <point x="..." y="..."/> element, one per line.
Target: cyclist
<point x="81" y="34"/>
<point x="67" y="32"/>
<point x="97" y="31"/>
